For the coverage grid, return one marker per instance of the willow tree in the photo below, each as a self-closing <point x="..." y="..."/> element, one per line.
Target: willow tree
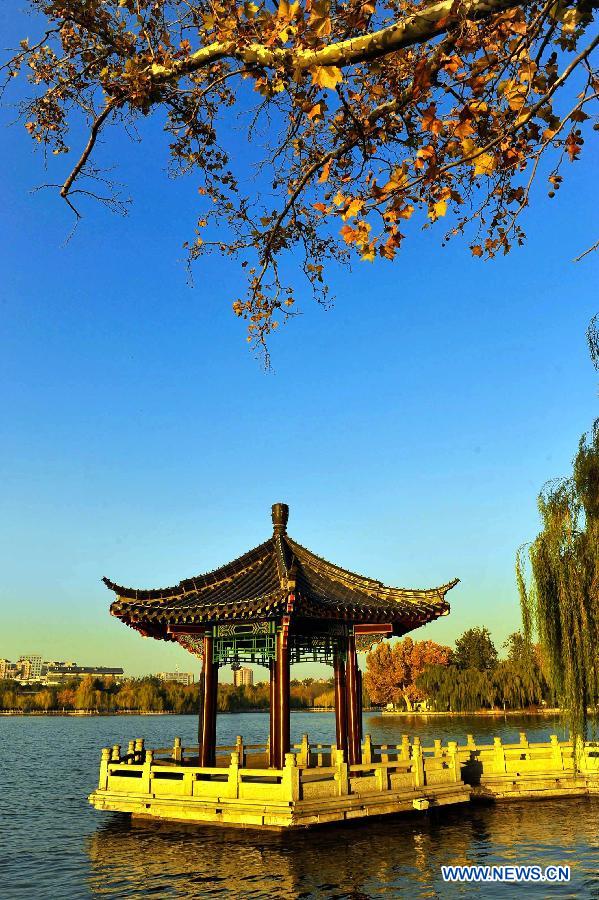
<point x="364" y="115"/>
<point x="558" y="579"/>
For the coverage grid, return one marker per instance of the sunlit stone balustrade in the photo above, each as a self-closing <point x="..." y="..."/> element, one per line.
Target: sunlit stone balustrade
<point x="317" y="785"/>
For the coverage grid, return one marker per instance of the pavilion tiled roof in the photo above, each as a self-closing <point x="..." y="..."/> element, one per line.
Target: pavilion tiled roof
<point x="258" y="585"/>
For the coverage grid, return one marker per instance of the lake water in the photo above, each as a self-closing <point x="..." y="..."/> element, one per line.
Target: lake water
<point x="54" y="846"/>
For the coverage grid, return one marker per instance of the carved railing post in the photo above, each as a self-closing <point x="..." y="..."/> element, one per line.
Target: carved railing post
<point x="367" y="750"/>
<point x="417" y="764"/>
<point x="239" y="749"/>
<point x="104" y="761"/>
<point x="381" y="774"/>
<point x="454" y="761"/>
<point x="498" y="756"/>
<point x="291" y="778"/>
<point x="146" y="775"/>
<point x="405" y="746"/>
<point x="437" y="745"/>
<point x="177" y="753"/>
<point x="342" y="773"/>
<point x="304" y="754"/>
<point x="233" y="776"/>
<point x="116" y="753"/>
<point x="131" y="752"/>
<point x="523" y="739"/>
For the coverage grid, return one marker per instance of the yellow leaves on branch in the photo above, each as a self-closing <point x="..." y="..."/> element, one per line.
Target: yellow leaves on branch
<point x="359" y="235"/>
<point x="515" y="94"/>
<point x="326" y="76"/>
<point x="352" y="208"/>
<point x="438" y="207"/>
<point x="482" y="162"/>
<point x="398" y="180"/>
<point x="429" y="120"/>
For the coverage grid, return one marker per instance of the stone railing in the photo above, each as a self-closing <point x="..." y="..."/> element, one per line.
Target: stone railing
<point x="310" y="772"/>
<point x="315" y="771"/>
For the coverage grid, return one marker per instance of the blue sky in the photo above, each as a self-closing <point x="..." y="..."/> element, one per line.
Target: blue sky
<point x="409" y="428"/>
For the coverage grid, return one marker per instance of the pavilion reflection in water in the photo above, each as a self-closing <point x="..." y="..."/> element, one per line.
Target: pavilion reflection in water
<point x="396" y="857"/>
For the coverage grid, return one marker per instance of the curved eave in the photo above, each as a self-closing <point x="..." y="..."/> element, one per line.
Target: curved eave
<point x="363" y="583"/>
<point x="215" y="578"/>
<point x="141" y="614"/>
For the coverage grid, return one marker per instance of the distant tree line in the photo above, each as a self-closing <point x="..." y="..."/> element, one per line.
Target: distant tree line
<point x="468" y="678"/>
<point x="105" y="695"/>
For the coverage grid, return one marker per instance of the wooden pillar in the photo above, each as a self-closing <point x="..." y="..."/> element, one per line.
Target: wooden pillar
<point x="353" y="706"/>
<point x="201" y="691"/>
<point x="208" y="689"/>
<point x="273" y="754"/>
<point x="360" y="705"/>
<point x="282" y="690"/>
<point x="340" y="705"/>
<point x="215" y="668"/>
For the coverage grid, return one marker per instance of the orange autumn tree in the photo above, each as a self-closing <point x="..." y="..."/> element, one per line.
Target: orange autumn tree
<point x="362" y="119"/>
<point x="392" y="670"/>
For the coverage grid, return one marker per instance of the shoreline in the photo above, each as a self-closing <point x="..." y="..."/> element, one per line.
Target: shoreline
<point x="541" y="711"/>
<point x="483" y="713"/>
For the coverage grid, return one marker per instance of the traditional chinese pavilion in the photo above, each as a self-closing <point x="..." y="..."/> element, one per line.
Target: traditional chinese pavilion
<point x="276" y="605"/>
<point x="280" y="604"/>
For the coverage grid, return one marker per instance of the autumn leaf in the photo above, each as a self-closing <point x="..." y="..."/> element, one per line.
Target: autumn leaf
<point x="429" y="120"/>
<point x="477" y="250"/>
<point x="348" y="234"/>
<point x="514" y="93"/>
<point x="405" y="212"/>
<point x="396" y="182"/>
<point x="320" y="21"/>
<point x="326" y="76"/>
<point x="286" y="10"/>
<point x="484" y="164"/>
<point x="352" y="209"/>
<point x="573" y="146"/>
<point x="437" y="210"/>
<point x="317" y="111"/>
<point x="368" y="253"/>
<point x="324" y="175"/>
<point x="464" y="129"/>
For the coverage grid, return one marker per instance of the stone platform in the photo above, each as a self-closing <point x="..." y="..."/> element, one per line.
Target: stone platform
<point x="317" y="786"/>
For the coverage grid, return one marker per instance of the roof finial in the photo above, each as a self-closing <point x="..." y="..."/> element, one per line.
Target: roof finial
<point x="280" y="515"/>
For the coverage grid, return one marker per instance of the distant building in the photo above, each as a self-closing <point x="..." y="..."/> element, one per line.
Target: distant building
<point x="179" y="677"/>
<point x="29" y="667"/>
<point x="7" y="669"/>
<point x="58" y="672"/>
<point x="243" y="676"/>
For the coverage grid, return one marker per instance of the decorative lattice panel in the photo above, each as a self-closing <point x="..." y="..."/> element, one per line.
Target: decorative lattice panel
<point x="251" y="642"/>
